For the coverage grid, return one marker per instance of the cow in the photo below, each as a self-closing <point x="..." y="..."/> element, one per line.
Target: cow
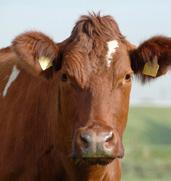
<point x="64" y="106"/>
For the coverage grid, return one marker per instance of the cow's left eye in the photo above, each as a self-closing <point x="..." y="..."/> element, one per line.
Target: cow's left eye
<point x="128" y="77"/>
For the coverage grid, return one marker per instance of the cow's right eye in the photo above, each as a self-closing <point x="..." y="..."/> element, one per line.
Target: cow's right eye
<point x="64" y="77"/>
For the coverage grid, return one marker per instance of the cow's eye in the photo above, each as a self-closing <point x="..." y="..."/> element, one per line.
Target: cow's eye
<point x="128" y="77"/>
<point x="64" y="77"/>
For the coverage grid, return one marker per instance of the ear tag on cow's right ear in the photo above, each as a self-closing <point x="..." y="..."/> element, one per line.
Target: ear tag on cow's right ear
<point x="45" y="62"/>
<point x="151" y="68"/>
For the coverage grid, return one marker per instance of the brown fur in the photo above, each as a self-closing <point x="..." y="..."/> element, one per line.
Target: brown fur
<point x="41" y="119"/>
<point x="159" y="46"/>
<point x="30" y="46"/>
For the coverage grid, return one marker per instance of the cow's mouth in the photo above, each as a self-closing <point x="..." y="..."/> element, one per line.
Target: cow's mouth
<point x="98" y="161"/>
<point x="94" y="160"/>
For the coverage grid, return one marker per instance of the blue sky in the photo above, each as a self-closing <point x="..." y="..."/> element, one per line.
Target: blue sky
<point x="138" y="20"/>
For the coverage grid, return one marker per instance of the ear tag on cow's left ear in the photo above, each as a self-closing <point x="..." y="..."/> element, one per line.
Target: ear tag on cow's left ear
<point x="45" y="62"/>
<point x="151" y="68"/>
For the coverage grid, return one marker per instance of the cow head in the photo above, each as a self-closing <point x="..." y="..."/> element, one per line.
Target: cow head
<point x="93" y="71"/>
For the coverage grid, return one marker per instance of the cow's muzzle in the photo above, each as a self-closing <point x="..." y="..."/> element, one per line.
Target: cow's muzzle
<point x="97" y="145"/>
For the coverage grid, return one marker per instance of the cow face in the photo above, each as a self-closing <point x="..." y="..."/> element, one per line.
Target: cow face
<point x="93" y="70"/>
<point x="95" y="98"/>
<point x="95" y="83"/>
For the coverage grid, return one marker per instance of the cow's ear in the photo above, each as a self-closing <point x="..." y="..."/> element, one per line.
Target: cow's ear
<point x="36" y="51"/>
<point x="152" y="58"/>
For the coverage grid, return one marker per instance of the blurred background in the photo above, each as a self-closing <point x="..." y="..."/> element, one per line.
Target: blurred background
<point x="148" y="135"/>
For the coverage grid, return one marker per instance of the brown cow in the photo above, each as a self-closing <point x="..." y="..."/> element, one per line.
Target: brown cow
<point x="64" y="107"/>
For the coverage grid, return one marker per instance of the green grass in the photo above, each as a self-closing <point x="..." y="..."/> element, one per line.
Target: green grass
<point x="147" y="142"/>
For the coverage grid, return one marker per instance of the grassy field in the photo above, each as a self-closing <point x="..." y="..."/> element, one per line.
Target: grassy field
<point x="147" y="143"/>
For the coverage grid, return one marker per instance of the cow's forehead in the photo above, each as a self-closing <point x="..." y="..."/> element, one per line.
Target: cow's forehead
<point x="112" y="59"/>
<point x="95" y="36"/>
<point x="97" y="54"/>
<point x="95" y="45"/>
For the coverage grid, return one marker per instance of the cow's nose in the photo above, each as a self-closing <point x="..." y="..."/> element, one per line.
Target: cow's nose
<point x="98" y="144"/>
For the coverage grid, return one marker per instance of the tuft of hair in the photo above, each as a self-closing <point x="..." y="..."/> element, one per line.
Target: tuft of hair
<point x="95" y="25"/>
<point x="159" y="46"/>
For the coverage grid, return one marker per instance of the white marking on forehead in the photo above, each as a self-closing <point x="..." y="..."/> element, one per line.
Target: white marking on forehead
<point x="14" y="74"/>
<point x="112" y="46"/>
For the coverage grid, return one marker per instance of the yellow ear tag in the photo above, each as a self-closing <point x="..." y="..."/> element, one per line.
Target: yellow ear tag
<point x="45" y="62"/>
<point x="151" y="68"/>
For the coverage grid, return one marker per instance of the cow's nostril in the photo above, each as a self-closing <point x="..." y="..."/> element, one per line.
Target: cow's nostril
<point x="85" y="138"/>
<point x="108" y="137"/>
